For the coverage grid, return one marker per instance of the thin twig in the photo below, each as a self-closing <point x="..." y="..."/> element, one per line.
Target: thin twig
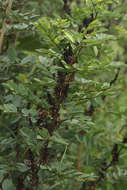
<point x="115" y="78"/>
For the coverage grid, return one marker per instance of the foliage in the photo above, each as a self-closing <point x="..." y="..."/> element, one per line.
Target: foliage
<point x="63" y="95"/>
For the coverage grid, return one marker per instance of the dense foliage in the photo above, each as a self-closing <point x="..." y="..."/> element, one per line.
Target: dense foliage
<point x="63" y="95"/>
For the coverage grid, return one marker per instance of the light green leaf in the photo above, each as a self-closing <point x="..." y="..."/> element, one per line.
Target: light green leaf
<point x="8" y="108"/>
<point x="69" y="36"/>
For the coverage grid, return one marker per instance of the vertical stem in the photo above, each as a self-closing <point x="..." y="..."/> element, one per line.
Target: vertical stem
<point x="3" y="30"/>
<point x="79" y="157"/>
<point x="40" y="6"/>
<point x="79" y="160"/>
<point x="16" y="38"/>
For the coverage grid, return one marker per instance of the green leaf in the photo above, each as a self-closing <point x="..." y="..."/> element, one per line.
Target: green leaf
<point x="69" y="36"/>
<point x="25" y="112"/>
<point x="8" y="185"/>
<point x="21" y="167"/>
<point x="28" y="59"/>
<point x="95" y="50"/>
<point x="58" y="139"/>
<point x="116" y="64"/>
<point x="12" y="55"/>
<point x="21" y="26"/>
<point x="9" y="108"/>
<point x="43" y="134"/>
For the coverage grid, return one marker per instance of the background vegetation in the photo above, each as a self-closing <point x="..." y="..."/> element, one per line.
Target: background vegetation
<point x="63" y="94"/>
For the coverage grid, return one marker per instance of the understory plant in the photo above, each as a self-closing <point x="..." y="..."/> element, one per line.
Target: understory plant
<point x="62" y="95"/>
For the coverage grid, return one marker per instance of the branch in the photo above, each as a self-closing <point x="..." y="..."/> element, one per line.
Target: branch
<point x="115" y="152"/>
<point x="115" y="78"/>
<point x="60" y="94"/>
<point x="34" y="170"/>
<point x="112" y="81"/>
<point x="115" y="158"/>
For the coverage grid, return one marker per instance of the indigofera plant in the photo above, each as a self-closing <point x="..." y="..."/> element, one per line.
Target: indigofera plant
<point x="61" y="126"/>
